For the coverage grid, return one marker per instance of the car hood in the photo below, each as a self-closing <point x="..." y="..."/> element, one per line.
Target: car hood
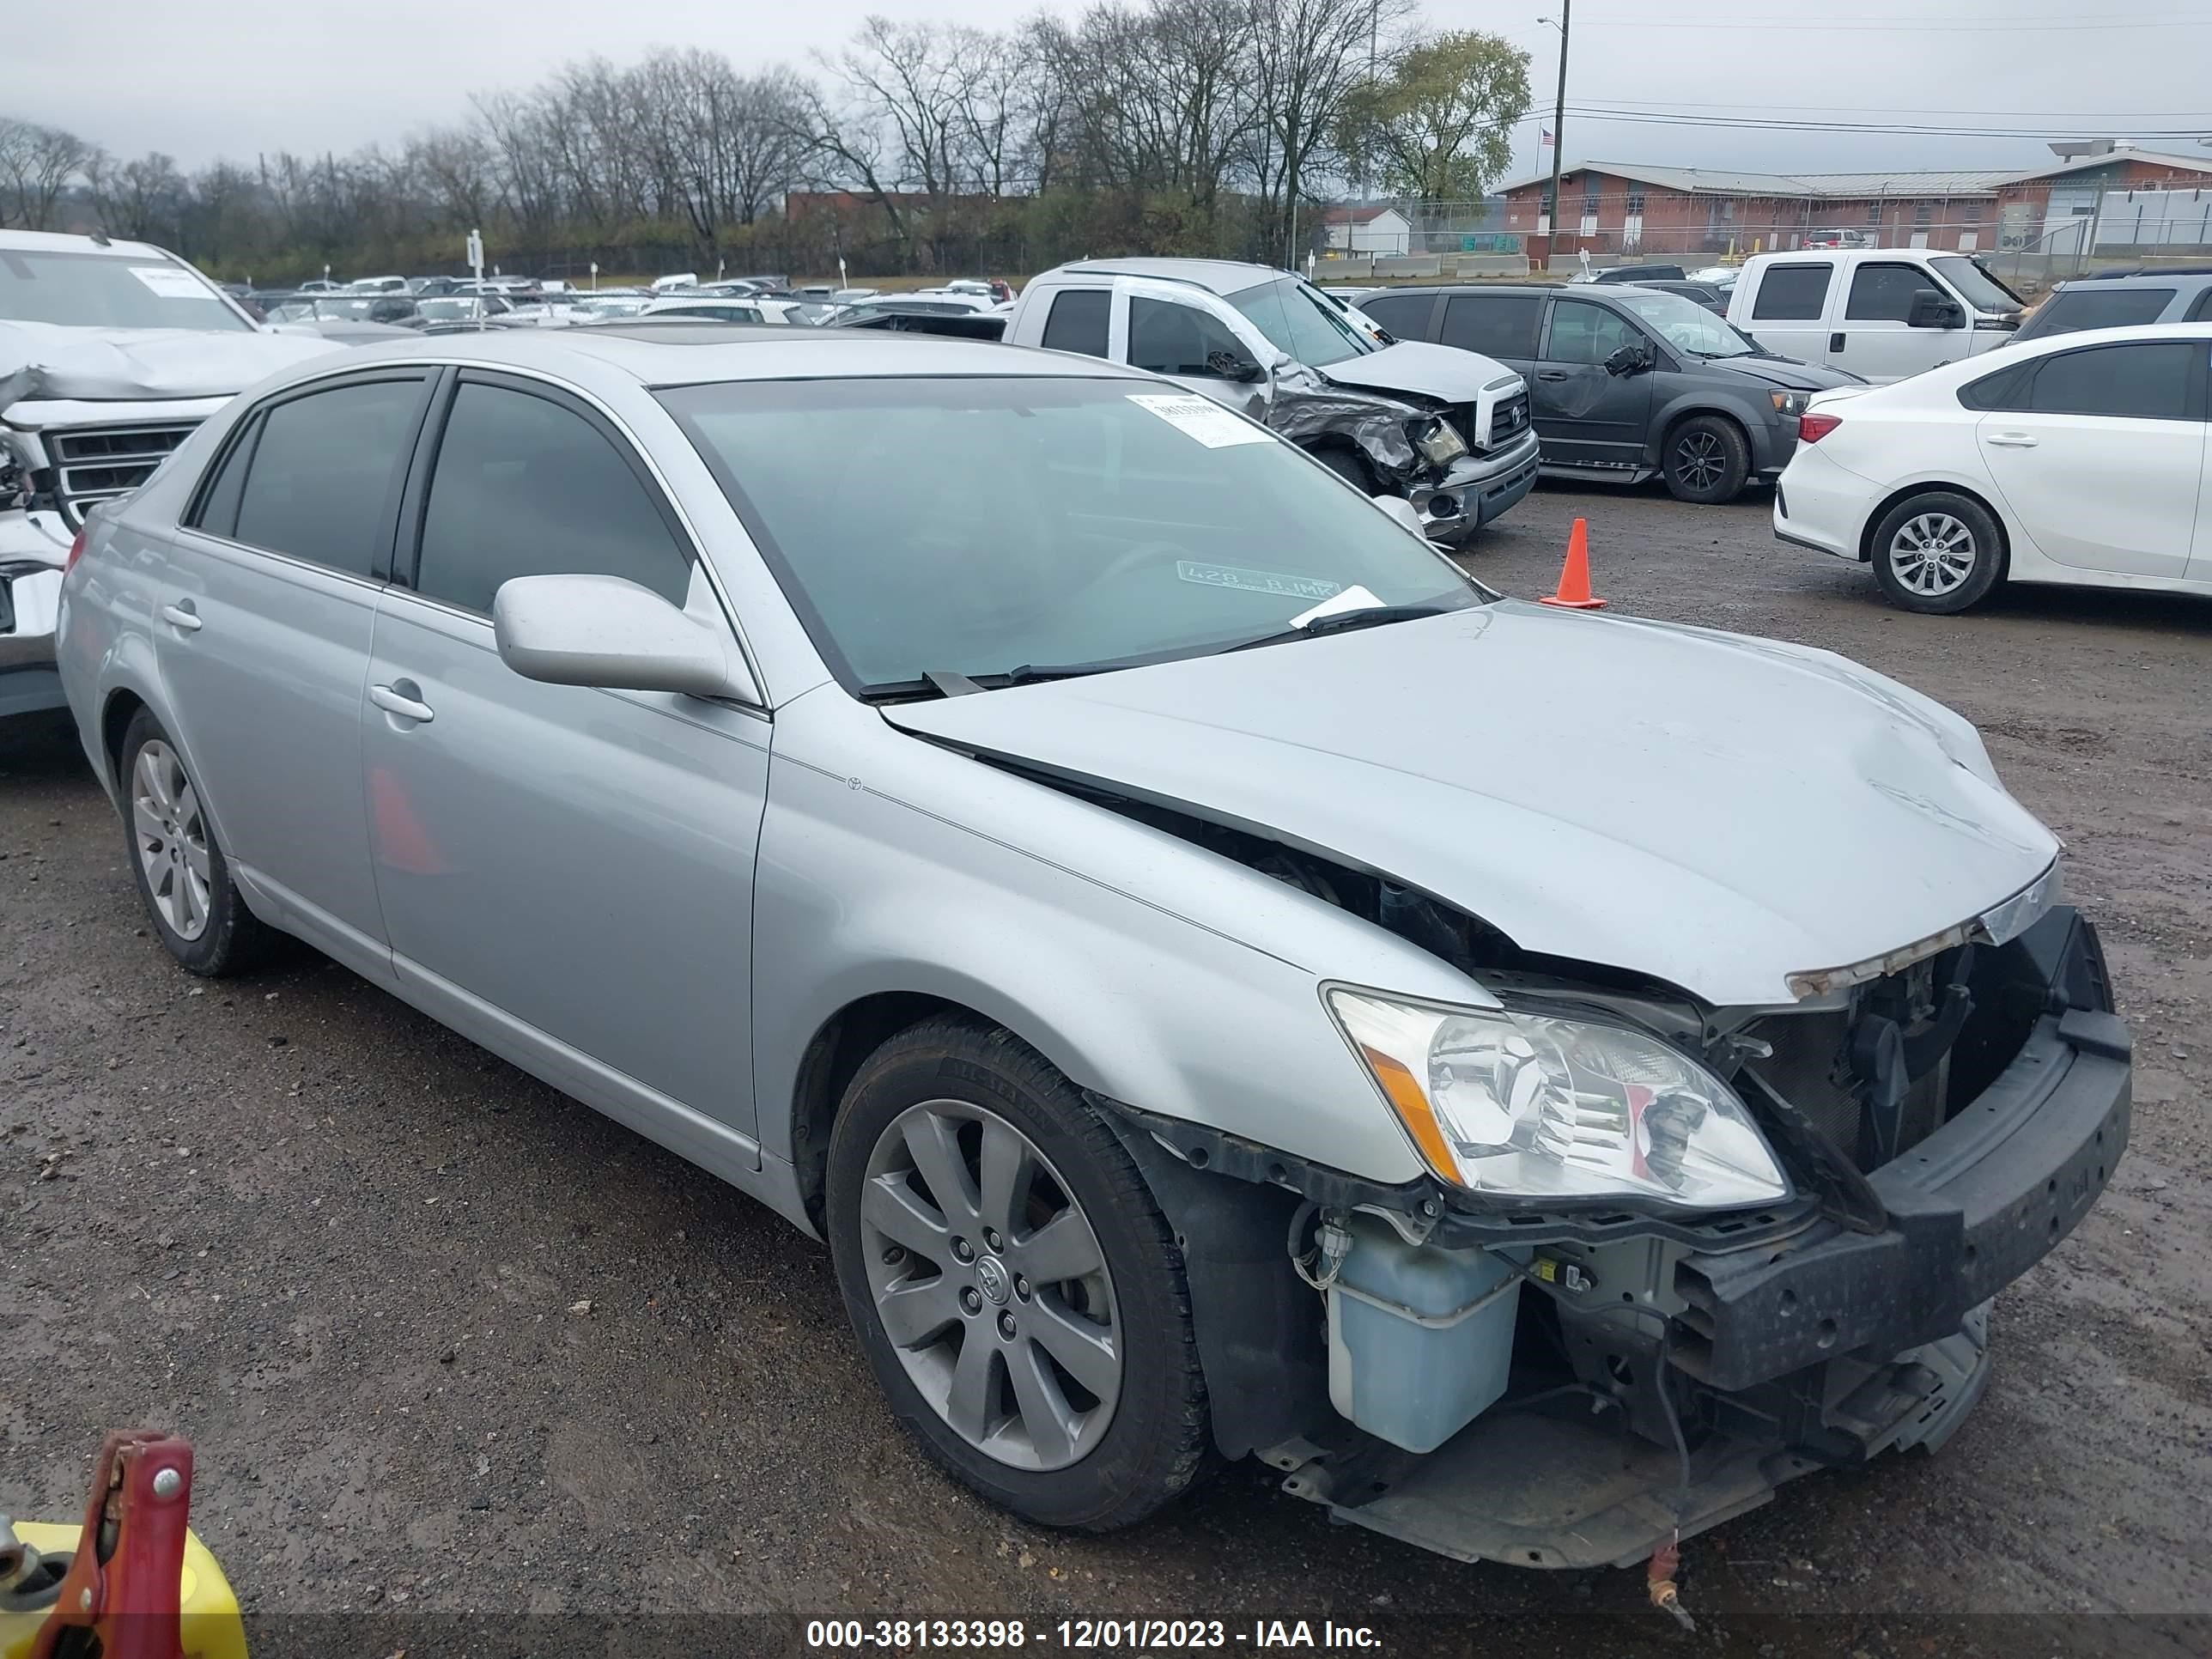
<point x="48" y="362"/>
<point x="1444" y="373"/>
<point x="1713" y="811"/>
<point x="1786" y="374"/>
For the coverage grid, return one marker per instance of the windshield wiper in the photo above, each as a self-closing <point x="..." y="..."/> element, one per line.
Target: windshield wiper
<point x="1343" y="621"/>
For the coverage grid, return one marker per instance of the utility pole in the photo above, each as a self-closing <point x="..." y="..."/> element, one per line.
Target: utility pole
<point x="1558" y="135"/>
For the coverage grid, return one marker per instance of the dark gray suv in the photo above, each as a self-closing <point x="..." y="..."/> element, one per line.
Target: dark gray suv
<point x="1626" y="383"/>
<point x="2122" y="299"/>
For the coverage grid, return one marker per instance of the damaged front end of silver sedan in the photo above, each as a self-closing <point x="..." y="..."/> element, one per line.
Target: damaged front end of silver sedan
<point x="1583" y="1379"/>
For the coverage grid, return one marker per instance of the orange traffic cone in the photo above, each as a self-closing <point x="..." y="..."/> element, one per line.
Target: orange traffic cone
<point x="1574" y="575"/>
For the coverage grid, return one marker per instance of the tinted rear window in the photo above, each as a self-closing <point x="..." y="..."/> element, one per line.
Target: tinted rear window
<point x="1791" y="293"/>
<point x="1076" y="321"/>
<point x="1405" y="315"/>
<point x="2096" y="307"/>
<point x="2147" y="381"/>
<point x="324" y="471"/>
<point x="1496" y="325"/>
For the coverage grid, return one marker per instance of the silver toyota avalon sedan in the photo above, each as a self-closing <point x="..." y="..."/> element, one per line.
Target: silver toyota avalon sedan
<point x="1220" y="980"/>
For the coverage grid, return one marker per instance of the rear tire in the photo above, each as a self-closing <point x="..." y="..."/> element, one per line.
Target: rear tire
<point x="1707" y="460"/>
<point x="184" y="880"/>
<point x="1938" y="553"/>
<point x="1097" y="1444"/>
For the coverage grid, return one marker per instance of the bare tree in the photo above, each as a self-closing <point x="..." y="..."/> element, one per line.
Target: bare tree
<point x="1309" y="57"/>
<point x="37" y="163"/>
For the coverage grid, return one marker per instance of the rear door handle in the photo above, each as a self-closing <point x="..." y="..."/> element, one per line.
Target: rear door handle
<point x="2009" y="440"/>
<point x="181" y="615"/>
<point x="1835" y="342"/>
<point x="1554" y="375"/>
<point x="394" y="700"/>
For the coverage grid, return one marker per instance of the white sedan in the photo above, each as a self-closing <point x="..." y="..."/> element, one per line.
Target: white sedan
<point x="2080" y="460"/>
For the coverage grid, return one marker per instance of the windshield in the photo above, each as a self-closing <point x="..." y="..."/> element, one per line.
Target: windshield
<point x="1302" y="321"/>
<point x="1035" y="523"/>
<point x="108" y="290"/>
<point x="1686" y="324"/>
<point x="1976" y="286"/>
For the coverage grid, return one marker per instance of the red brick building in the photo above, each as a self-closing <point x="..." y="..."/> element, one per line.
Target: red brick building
<point x="1619" y="208"/>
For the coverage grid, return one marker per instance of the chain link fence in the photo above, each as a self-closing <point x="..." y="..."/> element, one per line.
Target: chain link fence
<point x="2036" y="238"/>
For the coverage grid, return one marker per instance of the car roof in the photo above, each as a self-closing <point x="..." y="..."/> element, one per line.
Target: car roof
<point x="50" y="242"/>
<point x="2183" y="275"/>
<point x="681" y="353"/>
<point x="1215" y="276"/>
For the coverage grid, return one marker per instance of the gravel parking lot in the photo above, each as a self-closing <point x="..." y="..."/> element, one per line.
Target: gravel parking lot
<point x="450" y="1344"/>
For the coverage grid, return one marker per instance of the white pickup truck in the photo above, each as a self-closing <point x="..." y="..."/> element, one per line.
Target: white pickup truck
<point x="1447" y="430"/>
<point x="1880" y="313"/>
<point x="110" y="354"/>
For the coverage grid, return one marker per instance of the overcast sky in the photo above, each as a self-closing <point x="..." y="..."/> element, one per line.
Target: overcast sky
<point x="140" y="75"/>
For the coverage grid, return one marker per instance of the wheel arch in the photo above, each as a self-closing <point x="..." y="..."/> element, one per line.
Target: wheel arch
<point x="1896" y="498"/>
<point x="116" y="713"/>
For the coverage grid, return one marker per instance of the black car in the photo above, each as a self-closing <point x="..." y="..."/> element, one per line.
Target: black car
<point x="1626" y="383"/>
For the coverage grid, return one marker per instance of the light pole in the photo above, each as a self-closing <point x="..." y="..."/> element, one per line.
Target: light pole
<point x="1559" y="127"/>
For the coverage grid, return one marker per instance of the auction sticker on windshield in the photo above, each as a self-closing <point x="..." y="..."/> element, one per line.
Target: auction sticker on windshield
<point x="1207" y="422"/>
<point x="170" y="282"/>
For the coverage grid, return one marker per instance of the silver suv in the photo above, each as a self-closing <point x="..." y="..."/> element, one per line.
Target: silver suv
<point x="1114" y="884"/>
<point x="110" y="354"/>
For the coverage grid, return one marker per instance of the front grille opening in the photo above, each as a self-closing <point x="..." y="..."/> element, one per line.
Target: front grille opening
<point x="92" y="465"/>
<point x="1819" y="1065"/>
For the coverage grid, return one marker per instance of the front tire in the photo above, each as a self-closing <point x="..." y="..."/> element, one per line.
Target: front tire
<point x="1938" y="553"/>
<point x="184" y="880"/>
<point x="1707" y="460"/>
<point x="1017" y="1289"/>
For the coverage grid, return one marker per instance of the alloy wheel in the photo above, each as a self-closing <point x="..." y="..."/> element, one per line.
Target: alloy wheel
<point x="990" y="1285"/>
<point x="1699" y="460"/>
<point x="1932" y="554"/>
<point x="171" y="839"/>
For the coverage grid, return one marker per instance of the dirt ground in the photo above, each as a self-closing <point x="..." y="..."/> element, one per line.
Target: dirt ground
<point x="342" y="1250"/>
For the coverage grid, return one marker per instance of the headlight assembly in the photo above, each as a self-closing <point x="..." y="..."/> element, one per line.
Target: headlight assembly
<point x="1439" y="442"/>
<point x="1789" y="403"/>
<point x="1538" y="1106"/>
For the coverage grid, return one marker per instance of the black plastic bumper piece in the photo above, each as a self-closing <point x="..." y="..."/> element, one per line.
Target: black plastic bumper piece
<point x="1971" y="1208"/>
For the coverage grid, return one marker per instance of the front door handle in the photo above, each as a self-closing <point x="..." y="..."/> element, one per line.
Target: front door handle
<point x="394" y="699"/>
<point x="2009" y="440"/>
<point x="1835" y="342"/>
<point x="181" y="615"/>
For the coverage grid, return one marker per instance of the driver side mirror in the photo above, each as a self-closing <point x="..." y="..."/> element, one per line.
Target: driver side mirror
<point x="1631" y="359"/>
<point x="1234" y="366"/>
<point x="1933" y="310"/>
<point x="602" y="631"/>
<point x="1398" y="508"/>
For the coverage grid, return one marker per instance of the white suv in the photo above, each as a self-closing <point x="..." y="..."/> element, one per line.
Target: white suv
<point x="110" y="354"/>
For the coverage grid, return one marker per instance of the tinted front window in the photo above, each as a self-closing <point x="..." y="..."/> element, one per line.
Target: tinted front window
<point x="1297" y="319"/>
<point x="108" y="290"/>
<point x="1013" y="522"/>
<point x="1405" y="315"/>
<point x="324" y="472"/>
<point x="1685" y="324"/>
<point x="2149" y="381"/>
<point x="525" y="487"/>
<point x="1496" y="325"/>
<point x="2094" y="307"/>
<point x="1172" y="339"/>
<point x="1883" y="293"/>
<point x="1584" y="333"/>
<point x="1076" y="321"/>
<point x="2202" y="311"/>
<point x="1790" y="294"/>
